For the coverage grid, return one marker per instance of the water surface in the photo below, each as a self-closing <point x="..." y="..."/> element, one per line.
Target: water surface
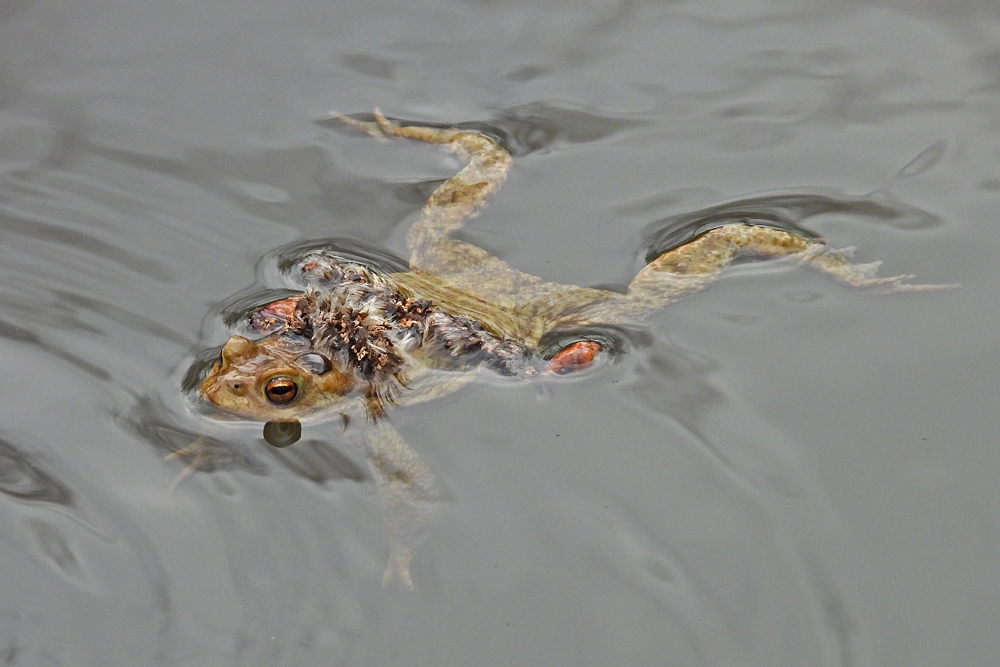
<point x="779" y="471"/>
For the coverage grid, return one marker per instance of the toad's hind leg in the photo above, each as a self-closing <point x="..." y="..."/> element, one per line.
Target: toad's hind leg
<point x="461" y="197"/>
<point x="692" y="266"/>
<point x="708" y="254"/>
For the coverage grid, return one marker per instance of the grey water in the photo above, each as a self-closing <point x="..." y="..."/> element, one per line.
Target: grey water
<point x="776" y="471"/>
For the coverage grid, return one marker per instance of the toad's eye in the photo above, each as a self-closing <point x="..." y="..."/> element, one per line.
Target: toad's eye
<point x="316" y="363"/>
<point x="281" y="390"/>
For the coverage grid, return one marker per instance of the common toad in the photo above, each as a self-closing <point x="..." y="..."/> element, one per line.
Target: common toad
<point x="355" y="341"/>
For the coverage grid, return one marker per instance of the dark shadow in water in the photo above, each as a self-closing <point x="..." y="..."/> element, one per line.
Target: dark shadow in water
<point x="676" y="383"/>
<point x="48" y="232"/>
<point x="318" y="462"/>
<point x="24" y="479"/>
<point x="110" y="313"/>
<point x="69" y="312"/>
<point x="98" y="518"/>
<point x="789" y="212"/>
<point x="378" y="67"/>
<point x="21" y="335"/>
<point x="539" y="126"/>
<point x="298" y="186"/>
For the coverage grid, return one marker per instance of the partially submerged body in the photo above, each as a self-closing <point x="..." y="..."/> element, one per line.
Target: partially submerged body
<point x="359" y="342"/>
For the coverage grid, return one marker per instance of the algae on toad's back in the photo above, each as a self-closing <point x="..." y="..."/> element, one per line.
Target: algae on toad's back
<point x="357" y="342"/>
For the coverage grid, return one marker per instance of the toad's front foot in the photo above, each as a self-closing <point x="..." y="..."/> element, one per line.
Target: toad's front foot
<point x="207" y="455"/>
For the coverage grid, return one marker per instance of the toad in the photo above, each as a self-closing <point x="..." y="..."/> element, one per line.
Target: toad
<point x="356" y="341"/>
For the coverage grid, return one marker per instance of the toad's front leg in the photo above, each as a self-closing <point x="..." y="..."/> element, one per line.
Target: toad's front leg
<point x="206" y="454"/>
<point x="407" y="492"/>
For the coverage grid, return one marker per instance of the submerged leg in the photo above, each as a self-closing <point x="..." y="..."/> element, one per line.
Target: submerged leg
<point x="407" y="493"/>
<point x="461" y="197"/>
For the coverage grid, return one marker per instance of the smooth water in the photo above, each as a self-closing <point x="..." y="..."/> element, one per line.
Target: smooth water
<point x="779" y="471"/>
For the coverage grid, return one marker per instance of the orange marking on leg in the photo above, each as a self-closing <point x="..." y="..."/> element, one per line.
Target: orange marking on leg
<point x="575" y="357"/>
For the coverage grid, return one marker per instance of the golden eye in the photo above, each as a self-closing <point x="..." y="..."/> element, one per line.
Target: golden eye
<point x="281" y="390"/>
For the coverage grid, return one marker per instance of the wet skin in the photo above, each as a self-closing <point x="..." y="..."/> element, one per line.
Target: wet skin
<point x="358" y="343"/>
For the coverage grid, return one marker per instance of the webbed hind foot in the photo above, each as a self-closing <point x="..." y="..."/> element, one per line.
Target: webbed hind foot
<point x="837" y="264"/>
<point x="398" y="565"/>
<point x="407" y="494"/>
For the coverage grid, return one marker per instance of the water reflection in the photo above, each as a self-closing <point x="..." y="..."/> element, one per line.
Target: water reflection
<point x="25" y="479"/>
